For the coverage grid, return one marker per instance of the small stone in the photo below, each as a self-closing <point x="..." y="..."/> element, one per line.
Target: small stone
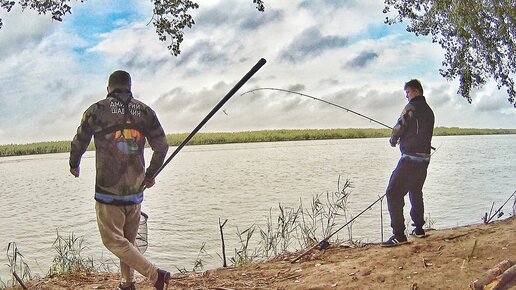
<point x="366" y="273"/>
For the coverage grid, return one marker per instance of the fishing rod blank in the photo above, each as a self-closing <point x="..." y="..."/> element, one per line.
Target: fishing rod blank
<point x="324" y="242"/>
<point x="324" y="101"/>
<point x="321" y="100"/>
<point x="253" y="70"/>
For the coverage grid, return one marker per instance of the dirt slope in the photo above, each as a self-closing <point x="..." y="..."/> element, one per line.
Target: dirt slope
<point x="446" y="259"/>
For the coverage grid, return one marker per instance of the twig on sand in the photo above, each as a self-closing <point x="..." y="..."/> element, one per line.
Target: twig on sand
<point x="221" y="225"/>
<point x="19" y="280"/>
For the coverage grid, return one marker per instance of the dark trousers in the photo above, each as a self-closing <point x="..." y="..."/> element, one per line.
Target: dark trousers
<point x="409" y="176"/>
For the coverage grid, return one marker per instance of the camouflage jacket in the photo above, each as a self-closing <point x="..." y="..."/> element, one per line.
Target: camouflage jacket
<point x="120" y="125"/>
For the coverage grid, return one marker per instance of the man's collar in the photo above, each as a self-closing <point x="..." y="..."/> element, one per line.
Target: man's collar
<point x="123" y="95"/>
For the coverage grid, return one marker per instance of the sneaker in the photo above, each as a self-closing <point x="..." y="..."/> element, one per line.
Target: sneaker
<point x="127" y="287"/>
<point x="418" y="233"/>
<point x="395" y="241"/>
<point x="163" y="279"/>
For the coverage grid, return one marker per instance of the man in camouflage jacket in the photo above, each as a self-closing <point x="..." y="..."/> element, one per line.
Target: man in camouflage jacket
<point x="120" y="126"/>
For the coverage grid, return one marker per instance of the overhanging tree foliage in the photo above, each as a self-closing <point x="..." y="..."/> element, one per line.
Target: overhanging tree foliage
<point x="478" y="37"/>
<point x="170" y="17"/>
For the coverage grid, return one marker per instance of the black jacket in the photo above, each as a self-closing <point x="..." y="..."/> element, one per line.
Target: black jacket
<point x="414" y="128"/>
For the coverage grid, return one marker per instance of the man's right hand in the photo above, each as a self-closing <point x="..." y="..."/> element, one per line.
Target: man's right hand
<point x="75" y="171"/>
<point x="149" y="182"/>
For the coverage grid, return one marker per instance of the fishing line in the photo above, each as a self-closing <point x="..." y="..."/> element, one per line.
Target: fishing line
<point x="324" y="101"/>
<point x="317" y="99"/>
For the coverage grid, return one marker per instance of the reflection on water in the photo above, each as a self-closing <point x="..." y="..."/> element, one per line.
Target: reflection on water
<point x="241" y="183"/>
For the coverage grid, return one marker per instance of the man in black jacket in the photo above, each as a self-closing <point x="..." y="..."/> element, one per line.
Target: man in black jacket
<point x="413" y="131"/>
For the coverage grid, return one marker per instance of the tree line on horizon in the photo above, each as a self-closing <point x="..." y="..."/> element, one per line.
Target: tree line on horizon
<point x="208" y="138"/>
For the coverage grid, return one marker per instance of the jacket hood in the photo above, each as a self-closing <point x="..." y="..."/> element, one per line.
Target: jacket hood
<point x="122" y="95"/>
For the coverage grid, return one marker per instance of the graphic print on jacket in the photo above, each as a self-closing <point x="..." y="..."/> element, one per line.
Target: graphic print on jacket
<point x="127" y="140"/>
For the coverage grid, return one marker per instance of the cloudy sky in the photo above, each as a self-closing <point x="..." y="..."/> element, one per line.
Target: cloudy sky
<point x="341" y="51"/>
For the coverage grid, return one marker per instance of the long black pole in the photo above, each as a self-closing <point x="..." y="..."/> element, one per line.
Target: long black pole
<point x="324" y="101"/>
<point x="253" y="70"/>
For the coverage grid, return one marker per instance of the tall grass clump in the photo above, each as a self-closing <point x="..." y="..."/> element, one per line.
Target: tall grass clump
<point x="244" y="254"/>
<point x="320" y="219"/>
<point x="198" y="264"/>
<point x="68" y="259"/>
<point x="304" y="225"/>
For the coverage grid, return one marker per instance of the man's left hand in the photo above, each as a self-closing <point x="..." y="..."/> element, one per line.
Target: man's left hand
<point x="75" y="171"/>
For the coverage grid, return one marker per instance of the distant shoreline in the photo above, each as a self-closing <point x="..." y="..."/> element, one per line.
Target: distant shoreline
<point x="252" y="137"/>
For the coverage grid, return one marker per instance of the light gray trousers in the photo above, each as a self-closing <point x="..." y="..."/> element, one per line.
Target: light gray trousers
<point x="118" y="227"/>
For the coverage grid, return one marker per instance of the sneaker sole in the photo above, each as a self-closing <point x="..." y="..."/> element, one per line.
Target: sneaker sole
<point x="419" y="236"/>
<point x="394" y="245"/>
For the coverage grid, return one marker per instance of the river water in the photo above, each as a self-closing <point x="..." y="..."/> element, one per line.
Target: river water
<point x="245" y="183"/>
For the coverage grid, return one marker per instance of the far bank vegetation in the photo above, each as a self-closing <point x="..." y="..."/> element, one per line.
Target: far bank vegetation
<point x="251" y="136"/>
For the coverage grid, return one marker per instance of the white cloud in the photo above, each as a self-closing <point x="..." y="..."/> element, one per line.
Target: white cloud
<point x="23" y="29"/>
<point x="347" y="55"/>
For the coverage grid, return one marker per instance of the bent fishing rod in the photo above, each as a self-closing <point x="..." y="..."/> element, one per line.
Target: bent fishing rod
<point x="253" y="70"/>
<point x="324" y="101"/>
<point x="324" y="242"/>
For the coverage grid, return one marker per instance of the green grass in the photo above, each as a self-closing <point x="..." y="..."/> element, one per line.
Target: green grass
<point x="251" y="136"/>
<point x="68" y="259"/>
